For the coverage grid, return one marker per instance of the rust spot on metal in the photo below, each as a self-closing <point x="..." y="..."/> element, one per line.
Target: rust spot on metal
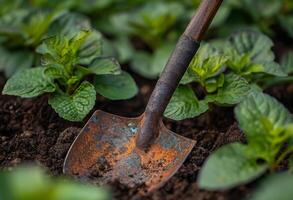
<point x="106" y="152"/>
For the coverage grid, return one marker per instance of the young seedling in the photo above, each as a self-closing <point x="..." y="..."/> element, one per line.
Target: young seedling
<point x="227" y="70"/>
<point x="66" y="61"/>
<point x="268" y="127"/>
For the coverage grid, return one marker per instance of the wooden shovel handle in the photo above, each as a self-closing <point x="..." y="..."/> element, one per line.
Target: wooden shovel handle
<point x="176" y="66"/>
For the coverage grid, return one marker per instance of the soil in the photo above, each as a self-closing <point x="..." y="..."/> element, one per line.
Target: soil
<point x="31" y="131"/>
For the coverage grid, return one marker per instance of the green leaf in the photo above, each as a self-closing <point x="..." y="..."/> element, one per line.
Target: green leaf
<point x="207" y="63"/>
<point x="116" y="87"/>
<point x="14" y="186"/>
<point x="13" y="61"/>
<point x="184" y="104"/>
<point x="154" y="20"/>
<point x="69" y="24"/>
<point x="124" y="49"/>
<point x="74" y="107"/>
<point x="151" y="66"/>
<point x="278" y="186"/>
<point x="250" y="52"/>
<point x="188" y="78"/>
<point x="68" y="191"/>
<point x="212" y="84"/>
<point x="102" y="66"/>
<point x="255" y="44"/>
<point x="141" y="64"/>
<point x="28" y="83"/>
<point x="42" y="20"/>
<point x="82" y="49"/>
<point x="228" y="167"/>
<point x="57" y="49"/>
<point x="287" y="67"/>
<point x="54" y="71"/>
<point x="91" y="48"/>
<point x="234" y="90"/>
<point x="287" y="62"/>
<point x="257" y="111"/>
<point x="270" y="68"/>
<point x="263" y="119"/>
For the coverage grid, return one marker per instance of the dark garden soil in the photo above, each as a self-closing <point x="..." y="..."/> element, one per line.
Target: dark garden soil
<point x="31" y="131"/>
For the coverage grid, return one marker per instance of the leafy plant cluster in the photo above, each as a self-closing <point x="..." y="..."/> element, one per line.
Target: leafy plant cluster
<point x="143" y="33"/>
<point x="67" y="57"/>
<point x="268" y="127"/>
<point x="66" y="61"/>
<point x="228" y="70"/>
<point x="31" y="183"/>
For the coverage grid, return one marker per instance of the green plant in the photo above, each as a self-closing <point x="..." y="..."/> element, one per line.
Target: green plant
<point x="19" y="37"/>
<point x="153" y="25"/>
<point x="31" y="183"/>
<point x="65" y="63"/>
<point x="228" y="70"/>
<point x="268" y="127"/>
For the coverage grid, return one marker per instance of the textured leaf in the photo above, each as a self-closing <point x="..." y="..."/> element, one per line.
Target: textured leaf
<point x="69" y="24"/>
<point x="254" y="43"/>
<point x="57" y="49"/>
<point x="54" y="71"/>
<point x="271" y="68"/>
<point x="250" y="52"/>
<point x="105" y="66"/>
<point x="257" y="112"/>
<point x="234" y="90"/>
<point x="116" y="87"/>
<point x="207" y="63"/>
<point x="91" y="48"/>
<point x="82" y="49"/>
<point x="275" y="187"/>
<point x="184" y="104"/>
<point x="265" y="122"/>
<point x="12" y="61"/>
<point x="28" y="83"/>
<point x="74" y="107"/>
<point x="228" y="167"/>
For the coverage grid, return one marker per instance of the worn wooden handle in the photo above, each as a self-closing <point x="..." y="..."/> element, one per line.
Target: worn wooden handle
<point x="176" y="66"/>
<point x="202" y="19"/>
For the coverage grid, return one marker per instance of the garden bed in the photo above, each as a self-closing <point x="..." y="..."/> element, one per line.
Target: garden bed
<point x="31" y="131"/>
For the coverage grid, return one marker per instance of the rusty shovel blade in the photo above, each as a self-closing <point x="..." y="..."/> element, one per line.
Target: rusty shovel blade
<point x="105" y="151"/>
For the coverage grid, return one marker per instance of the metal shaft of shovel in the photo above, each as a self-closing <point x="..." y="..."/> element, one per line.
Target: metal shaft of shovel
<point x="140" y="152"/>
<point x="176" y="66"/>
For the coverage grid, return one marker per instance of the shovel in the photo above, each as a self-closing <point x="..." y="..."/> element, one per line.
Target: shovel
<point x="140" y="152"/>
